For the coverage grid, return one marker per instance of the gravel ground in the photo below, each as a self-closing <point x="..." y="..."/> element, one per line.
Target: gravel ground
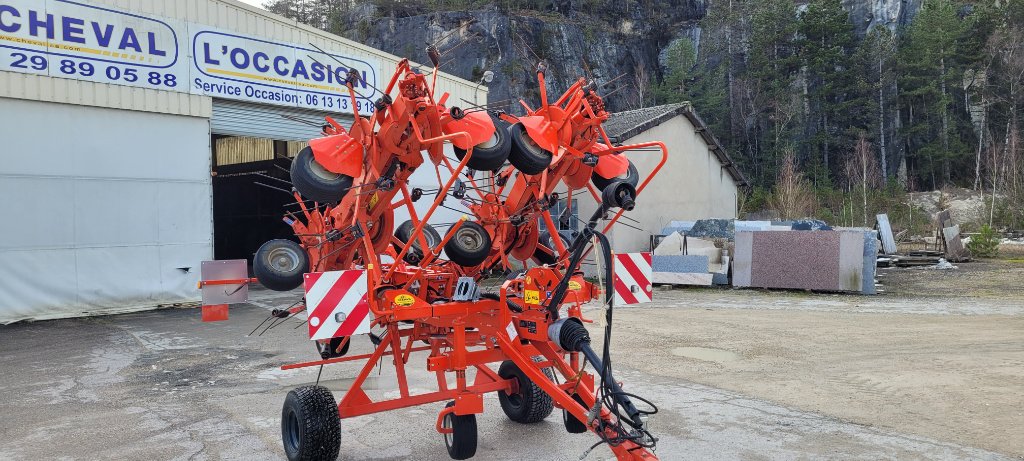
<point x="738" y="375"/>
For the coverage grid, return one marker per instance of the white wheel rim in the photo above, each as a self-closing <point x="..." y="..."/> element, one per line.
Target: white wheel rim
<point x="283" y="259"/>
<point x="319" y="171"/>
<point x="490" y="142"/>
<point x="469" y="239"/>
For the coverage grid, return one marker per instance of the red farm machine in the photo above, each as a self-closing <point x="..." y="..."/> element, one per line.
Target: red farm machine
<point x="412" y="290"/>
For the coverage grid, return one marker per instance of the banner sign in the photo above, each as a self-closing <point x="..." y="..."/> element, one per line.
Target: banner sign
<point x="232" y="66"/>
<point x="73" y="39"/>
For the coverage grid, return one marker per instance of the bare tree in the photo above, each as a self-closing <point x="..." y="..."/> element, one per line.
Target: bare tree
<point x="793" y="196"/>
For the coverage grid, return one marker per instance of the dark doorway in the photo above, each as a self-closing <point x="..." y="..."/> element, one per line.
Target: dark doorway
<point x="246" y="212"/>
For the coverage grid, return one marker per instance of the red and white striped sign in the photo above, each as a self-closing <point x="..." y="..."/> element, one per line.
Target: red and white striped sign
<point x="336" y="304"/>
<point x="633" y="278"/>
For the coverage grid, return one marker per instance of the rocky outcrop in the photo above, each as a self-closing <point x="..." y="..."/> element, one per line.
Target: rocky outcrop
<point x="893" y="14"/>
<point x="619" y="42"/>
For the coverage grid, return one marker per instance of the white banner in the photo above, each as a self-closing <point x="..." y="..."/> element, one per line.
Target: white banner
<point x="71" y="39"/>
<point x="61" y="38"/>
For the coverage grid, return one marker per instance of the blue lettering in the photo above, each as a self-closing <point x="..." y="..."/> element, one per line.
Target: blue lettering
<point x="34" y="23"/>
<point x="363" y="80"/>
<point x="152" y="46"/>
<point x="260" y="56"/>
<point x="300" y="69"/>
<point x="71" y="28"/>
<point x="13" y="27"/>
<point x="277" y="68"/>
<point x="130" y="40"/>
<point x="206" y="55"/>
<point x="339" y="74"/>
<point x="318" y="71"/>
<point x="103" y="37"/>
<point x="237" y="54"/>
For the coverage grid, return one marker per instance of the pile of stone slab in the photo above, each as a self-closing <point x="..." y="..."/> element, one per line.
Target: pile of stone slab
<point x="804" y="254"/>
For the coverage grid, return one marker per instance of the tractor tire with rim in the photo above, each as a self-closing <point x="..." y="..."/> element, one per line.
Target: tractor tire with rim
<point x="543" y="257"/>
<point x="310" y="426"/>
<point x="631" y="176"/>
<point x="461" y="443"/>
<point x="315" y="182"/>
<point x="491" y="154"/>
<point x="573" y="425"/>
<point x="531" y="404"/>
<point x="415" y="254"/>
<point x="469" y="246"/>
<point x="526" y="155"/>
<point x="279" y="264"/>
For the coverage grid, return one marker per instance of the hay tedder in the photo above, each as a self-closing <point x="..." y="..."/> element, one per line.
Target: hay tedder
<point x="412" y="290"/>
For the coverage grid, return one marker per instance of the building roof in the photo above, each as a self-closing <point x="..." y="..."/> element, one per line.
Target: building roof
<point x="622" y="126"/>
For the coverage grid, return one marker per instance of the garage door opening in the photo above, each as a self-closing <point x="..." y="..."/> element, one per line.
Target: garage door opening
<point x="249" y="193"/>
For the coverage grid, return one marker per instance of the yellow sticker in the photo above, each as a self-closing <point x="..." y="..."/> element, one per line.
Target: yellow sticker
<point x="531" y="296"/>
<point x="373" y="200"/>
<point x="574" y="285"/>
<point x="404" y="300"/>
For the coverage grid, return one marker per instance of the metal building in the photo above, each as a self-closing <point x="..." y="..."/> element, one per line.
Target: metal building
<point x="134" y="132"/>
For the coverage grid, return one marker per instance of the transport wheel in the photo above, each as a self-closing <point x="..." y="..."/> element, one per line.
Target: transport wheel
<point x="469" y="246"/>
<point x="315" y="182"/>
<point x="491" y="154"/>
<point x="631" y="176"/>
<point x="531" y="404"/>
<point x="279" y="264"/>
<point x="573" y="425"/>
<point x="310" y="425"/>
<point x="327" y="350"/>
<point x="542" y="256"/>
<point x="461" y="442"/>
<point x="415" y="253"/>
<point x="526" y="155"/>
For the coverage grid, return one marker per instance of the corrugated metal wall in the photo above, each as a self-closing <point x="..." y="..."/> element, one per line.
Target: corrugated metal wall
<point x="237" y="118"/>
<point x="227" y="14"/>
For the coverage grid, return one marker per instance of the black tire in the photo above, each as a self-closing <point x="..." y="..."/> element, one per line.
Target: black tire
<point x="526" y="155"/>
<point x="327" y="350"/>
<point x="489" y="155"/>
<point x="315" y="182"/>
<point x="545" y="239"/>
<point x="415" y="254"/>
<point x="531" y="404"/>
<point x="631" y="176"/>
<point x="469" y="246"/>
<point x="573" y="425"/>
<point x="310" y="426"/>
<point x="461" y="443"/>
<point x="279" y="264"/>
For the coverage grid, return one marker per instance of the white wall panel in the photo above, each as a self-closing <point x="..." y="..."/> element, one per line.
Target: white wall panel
<point x="100" y="215"/>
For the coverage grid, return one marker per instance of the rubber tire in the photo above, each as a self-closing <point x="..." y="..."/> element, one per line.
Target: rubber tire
<point x="573" y="425"/>
<point x="545" y="239"/>
<point x="415" y="254"/>
<point x="632" y="176"/>
<point x="531" y="404"/>
<point x="273" y="277"/>
<point x="333" y="346"/>
<point x="464" y="437"/>
<point x="493" y="157"/>
<point x="526" y="155"/>
<point x="315" y="431"/>
<point x="314" y="186"/>
<point x="464" y="256"/>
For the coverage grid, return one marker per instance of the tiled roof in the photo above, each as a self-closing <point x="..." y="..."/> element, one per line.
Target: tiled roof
<point x="622" y="126"/>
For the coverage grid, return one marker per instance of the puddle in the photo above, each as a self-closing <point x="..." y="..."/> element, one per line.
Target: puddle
<point x="706" y="354"/>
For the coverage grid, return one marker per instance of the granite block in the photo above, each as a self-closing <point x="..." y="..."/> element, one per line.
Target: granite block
<point x="713" y="228"/>
<point x="752" y="225"/>
<point x="870" y="262"/>
<point x="683" y="278"/>
<point x="742" y="255"/>
<point x="672" y="244"/>
<point x="800" y="260"/>
<point x="885" y="231"/>
<point x="680" y="263"/>
<point x="851" y="261"/>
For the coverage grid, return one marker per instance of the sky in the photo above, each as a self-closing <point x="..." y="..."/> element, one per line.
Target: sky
<point x="257" y="3"/>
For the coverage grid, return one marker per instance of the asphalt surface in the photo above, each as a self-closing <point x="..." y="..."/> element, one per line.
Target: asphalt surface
<point x="163" y="385"/>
